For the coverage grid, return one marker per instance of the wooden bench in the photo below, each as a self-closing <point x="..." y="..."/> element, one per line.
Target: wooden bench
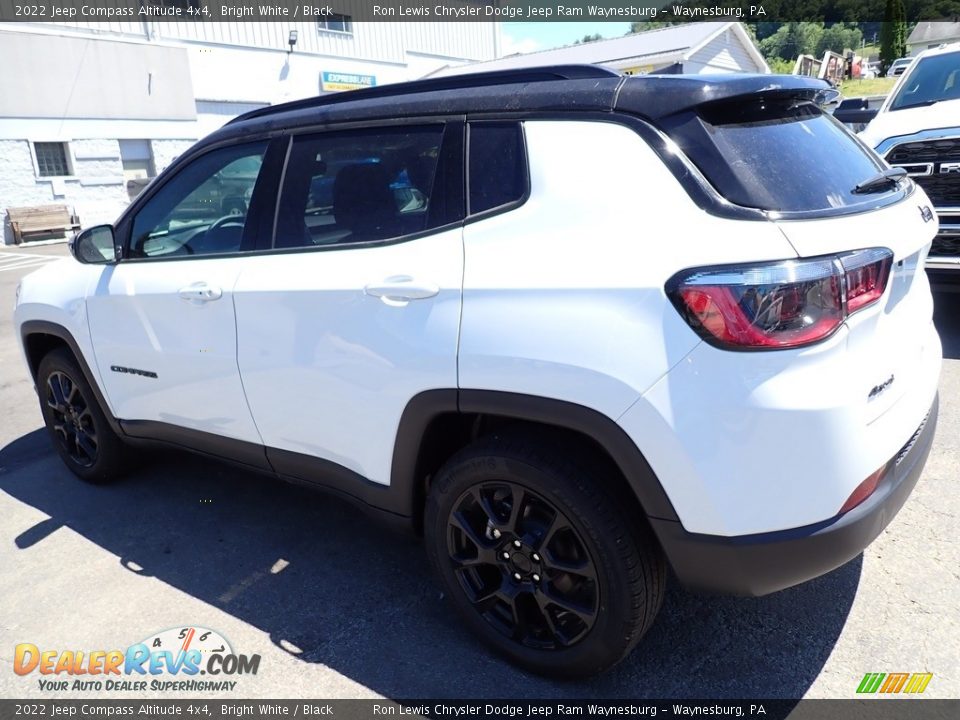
<point x="26" y="222"/>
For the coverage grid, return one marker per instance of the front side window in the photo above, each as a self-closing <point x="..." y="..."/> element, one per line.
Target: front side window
<point x="202" y="210"/>
<point x="361" y="186"/>
<point x="932" y="80"/>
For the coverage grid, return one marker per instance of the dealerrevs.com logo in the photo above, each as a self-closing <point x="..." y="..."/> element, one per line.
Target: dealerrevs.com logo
<point x="168" y="661"/>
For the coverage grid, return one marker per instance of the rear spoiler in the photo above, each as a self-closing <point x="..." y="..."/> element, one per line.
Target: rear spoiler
<point x="657" y="97"/>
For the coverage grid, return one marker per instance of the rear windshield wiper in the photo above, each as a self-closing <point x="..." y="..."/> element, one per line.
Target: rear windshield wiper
<point x="889" y="177"/>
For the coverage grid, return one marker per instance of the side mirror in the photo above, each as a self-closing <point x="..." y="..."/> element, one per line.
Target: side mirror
<point x="95" y="246"/>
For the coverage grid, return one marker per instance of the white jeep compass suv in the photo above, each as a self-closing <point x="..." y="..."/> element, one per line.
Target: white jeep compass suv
<point x="573" y="327"/>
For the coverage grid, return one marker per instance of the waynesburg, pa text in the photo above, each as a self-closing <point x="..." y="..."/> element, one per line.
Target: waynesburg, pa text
<point x="530" y="12"/>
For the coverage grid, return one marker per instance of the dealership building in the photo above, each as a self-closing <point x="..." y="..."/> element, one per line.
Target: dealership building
<point x="88" y="109"/>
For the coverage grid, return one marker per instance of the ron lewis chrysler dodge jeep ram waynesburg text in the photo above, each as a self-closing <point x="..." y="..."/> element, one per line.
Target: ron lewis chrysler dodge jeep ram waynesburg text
<point x="571" y="326"/>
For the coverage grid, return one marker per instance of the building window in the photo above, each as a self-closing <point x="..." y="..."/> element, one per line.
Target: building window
<point x="137" y="160"/>
<point x="336" y="22"/>
<point x="51" y="159"/>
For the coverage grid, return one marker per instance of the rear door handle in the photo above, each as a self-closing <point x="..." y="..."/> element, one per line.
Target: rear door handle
<point x="401" y="289"/>
<point x="201" y="292"/>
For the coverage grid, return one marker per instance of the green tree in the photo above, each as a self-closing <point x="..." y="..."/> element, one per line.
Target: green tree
<point x="893" y="33"/>
<point x="779" y="66"/>
<point x="792" y="39"/>
<point x="639" y="27"/>
<point x="589" y="38"/>
<point x="838" y="38"/>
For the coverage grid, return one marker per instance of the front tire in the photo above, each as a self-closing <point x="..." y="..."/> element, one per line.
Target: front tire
<point x="77" y="425"/>
<point x="540" y="559"/>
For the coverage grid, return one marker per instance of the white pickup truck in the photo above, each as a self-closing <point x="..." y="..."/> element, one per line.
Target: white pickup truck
<point x="918" y="128"/>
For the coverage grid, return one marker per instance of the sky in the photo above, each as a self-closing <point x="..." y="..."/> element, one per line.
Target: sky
<point x="531" y="36"/>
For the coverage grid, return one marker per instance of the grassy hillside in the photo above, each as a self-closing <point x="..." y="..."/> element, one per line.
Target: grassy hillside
<point x="864" y="88"/>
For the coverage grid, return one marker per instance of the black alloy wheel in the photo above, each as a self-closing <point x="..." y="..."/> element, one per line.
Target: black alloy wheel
<point x="523" y="565"/>
<point x="78" y="427"/>
<point x="544" y="553"/>
<point x="73" y="421"/>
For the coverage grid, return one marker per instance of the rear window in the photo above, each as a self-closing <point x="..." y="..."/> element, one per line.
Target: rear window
<point x="779" y="155"/>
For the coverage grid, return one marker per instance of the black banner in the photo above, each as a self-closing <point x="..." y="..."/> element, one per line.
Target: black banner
<point x="872" y="709"/>
<point x="467" y="10"/>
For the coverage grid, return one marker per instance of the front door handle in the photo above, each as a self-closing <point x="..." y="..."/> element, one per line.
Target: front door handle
<point x="401" y="289"/>
<point x="201" y="292"/>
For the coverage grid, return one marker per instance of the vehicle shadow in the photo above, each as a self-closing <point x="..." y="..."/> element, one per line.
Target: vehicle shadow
<point x="946" y="317"/>
<point x="360" y="599"/>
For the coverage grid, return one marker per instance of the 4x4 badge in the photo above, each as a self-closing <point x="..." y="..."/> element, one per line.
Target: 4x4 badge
<point x="926" y="213"/>
<point x="877" y="389"/>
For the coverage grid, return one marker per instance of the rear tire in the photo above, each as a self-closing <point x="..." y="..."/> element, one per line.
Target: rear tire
<point x="75" y="421"/>
<point x="540" y="559"/>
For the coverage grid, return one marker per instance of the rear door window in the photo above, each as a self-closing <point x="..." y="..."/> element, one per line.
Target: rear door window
<point x="778" y="155"/>
<point x="497" y="165"/>
<point x="363" y="186"/>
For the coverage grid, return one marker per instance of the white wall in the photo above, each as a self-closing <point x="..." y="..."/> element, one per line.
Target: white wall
<point x="96" y="190"/>
<point x="724" y="54"/>
<point x="230" y="68"/>
<point x="383" y="41"/>
<point x="166" y="151"/>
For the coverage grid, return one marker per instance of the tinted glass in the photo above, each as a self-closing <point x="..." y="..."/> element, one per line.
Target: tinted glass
<point x="202" y="210"/>
<point x="498" y="168"/>
<point x="777" y="156"/>
<point x="933" y="79"/>
<point x="360" y="187"/>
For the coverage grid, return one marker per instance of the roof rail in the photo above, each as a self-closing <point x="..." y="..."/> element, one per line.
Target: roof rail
<point x="452" y="82"/>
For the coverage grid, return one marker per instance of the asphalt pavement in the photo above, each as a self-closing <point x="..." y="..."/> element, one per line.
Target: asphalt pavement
<point x="338" y="607"/>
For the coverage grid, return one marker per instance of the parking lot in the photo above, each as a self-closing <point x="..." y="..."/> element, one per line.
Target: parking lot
<point x="338" y="607"/>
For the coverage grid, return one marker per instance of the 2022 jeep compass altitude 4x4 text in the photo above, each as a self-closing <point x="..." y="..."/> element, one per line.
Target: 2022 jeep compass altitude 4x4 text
<point x="623" y="323"/>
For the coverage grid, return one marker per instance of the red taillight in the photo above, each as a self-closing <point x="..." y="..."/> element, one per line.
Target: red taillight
<point x="865" y="274"/>
<point x="784" y="304"/>
<point x="864" y="489"/>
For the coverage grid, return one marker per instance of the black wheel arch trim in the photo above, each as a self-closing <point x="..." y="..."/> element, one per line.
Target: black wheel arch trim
<point x="603" y="430"/>
<point x="45" y="327"/>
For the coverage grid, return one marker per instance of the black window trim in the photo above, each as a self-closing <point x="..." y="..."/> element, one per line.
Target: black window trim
<point x="124" y="226"/>
<point x="453" y="146"/>
<point x="697" y="187"/>
<point x="508" y="206"/>
<point x="870" y="203"/>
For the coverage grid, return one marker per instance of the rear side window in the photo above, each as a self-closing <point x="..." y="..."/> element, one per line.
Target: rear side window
<point x="498" y="166"/>
<point x="362" y="186"/>
<point x="777" y="155"/>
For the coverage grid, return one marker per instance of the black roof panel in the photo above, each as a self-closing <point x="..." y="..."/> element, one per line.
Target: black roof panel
<point x="569" y="87"/>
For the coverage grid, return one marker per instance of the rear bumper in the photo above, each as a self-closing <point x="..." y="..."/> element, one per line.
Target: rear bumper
<point x="764" y="563"/>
